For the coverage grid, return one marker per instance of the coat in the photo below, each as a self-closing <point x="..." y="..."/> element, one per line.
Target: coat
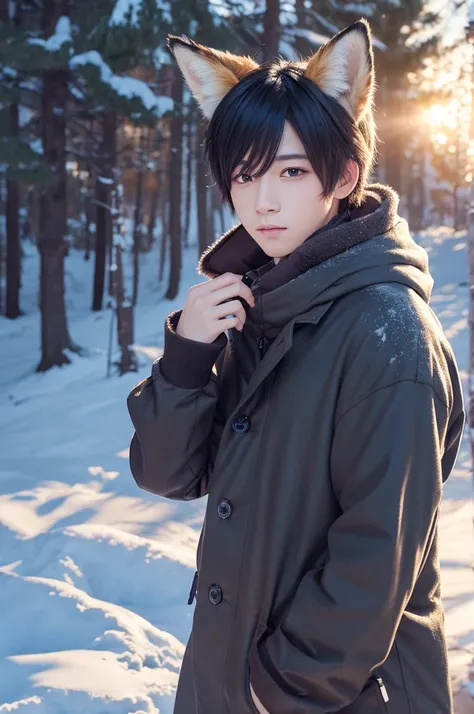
<point x="322" y="435"/>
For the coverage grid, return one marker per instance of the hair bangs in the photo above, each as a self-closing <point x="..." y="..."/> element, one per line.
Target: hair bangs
<point x="250" y="119"/>
<point x="325" y="130"/>
<point x="249" y="122"/>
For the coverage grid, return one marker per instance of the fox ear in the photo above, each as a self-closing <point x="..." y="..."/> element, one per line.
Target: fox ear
<point x="209" y="73"/>
<point x="344" y="68"/>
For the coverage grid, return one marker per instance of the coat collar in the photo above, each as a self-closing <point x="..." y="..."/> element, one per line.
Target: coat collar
<point x="280" y="298"/>
<point x="236" y="251"/>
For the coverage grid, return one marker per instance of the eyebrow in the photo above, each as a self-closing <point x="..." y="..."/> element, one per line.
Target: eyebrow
<point x="282" y="157"/>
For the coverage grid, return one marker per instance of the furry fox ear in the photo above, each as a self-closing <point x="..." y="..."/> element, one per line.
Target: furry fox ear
<point x="209" y="73"/>
<point x="344" y="68"/>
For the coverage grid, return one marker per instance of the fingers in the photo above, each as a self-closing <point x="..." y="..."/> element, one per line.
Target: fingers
<point x="229" y="285"/>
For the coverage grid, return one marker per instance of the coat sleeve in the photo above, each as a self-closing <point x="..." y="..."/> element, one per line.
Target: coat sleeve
<point x="387" y="471"/>
<point x="177" y="420"/>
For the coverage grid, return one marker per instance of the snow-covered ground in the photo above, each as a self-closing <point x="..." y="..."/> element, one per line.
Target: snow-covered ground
<point x="95" y="573"/>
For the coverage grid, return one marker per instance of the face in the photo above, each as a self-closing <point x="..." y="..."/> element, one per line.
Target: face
<point x="288" y="195"/>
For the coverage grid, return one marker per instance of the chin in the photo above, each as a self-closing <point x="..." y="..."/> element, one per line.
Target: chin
<point x="272" y="251"/>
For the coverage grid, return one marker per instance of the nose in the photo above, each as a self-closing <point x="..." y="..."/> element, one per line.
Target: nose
<point x="266" y="197"/>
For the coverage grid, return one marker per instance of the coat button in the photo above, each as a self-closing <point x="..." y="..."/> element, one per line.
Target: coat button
<point x="215" y="594"/>
<point x="224" y="509"/>
<point x="241" y="424"/>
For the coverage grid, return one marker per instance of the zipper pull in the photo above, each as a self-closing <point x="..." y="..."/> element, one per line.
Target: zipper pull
<point x="262" y="342"/>
<point x="382" y="689"/>
<point x="192" y="592"/>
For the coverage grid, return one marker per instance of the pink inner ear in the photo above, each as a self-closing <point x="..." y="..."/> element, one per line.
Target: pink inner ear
<point x="354" y="60"/>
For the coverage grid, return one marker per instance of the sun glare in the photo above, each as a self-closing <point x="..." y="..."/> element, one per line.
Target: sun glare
<point x="440" y="138"/>
<point x="443" y="115"/>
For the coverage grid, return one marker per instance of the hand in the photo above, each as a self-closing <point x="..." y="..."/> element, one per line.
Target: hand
<point x="209" y="309"/>
<point x="260" y="708"/>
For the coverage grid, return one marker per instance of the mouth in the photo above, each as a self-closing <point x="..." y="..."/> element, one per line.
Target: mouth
<point x="271" y="231"/>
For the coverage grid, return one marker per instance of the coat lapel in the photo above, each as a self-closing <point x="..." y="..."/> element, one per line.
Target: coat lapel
<point x="278" y="349"/>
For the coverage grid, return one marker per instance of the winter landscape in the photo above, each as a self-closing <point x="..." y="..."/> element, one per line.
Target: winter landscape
<point x="105" y="207"/>
<point x="95" y="572"/>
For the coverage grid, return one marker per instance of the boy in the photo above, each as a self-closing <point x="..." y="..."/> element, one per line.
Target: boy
<point x="309" y="390"/>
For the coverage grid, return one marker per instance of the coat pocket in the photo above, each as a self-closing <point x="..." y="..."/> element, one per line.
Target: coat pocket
<point x="370" y="700"/>
<point x="260" y="629"/>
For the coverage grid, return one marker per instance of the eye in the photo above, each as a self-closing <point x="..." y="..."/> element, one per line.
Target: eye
<point x="295" y="169"/>
<point x="242" y="176"/>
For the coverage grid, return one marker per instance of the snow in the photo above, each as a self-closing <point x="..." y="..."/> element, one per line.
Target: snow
<point x="287" y="49"/>
<point x="380" y="332"/>
<point x="25" y="114"/>
<point x="363" y="9"/>
<point x="8" y="72"/>
<point x="94" y="572"/>
<point x="315" y="38"/>
<point x="36" y="145"/>
<point x="124" y="86"/>
<point x="61" y="35"/>
<point x="124" y="8"/>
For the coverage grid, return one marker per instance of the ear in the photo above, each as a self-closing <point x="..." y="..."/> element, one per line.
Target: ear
<point x="209" y="73"/>
<point x="344" y="68"/>
<point x="348" y="181"/>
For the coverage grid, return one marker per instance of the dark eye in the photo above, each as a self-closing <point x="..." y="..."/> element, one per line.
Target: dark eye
<point x="294" y="169"/>
<point x="242" y="176"/>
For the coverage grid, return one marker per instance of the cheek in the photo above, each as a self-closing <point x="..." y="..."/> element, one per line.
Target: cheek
<point x="241" y="202"/>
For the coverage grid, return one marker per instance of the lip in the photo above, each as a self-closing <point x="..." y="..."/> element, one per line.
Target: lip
<point x="269" y="228"/>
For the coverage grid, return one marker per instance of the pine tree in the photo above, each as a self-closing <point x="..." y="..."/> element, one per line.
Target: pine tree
<point x="80" y="69"/>
<point x="20" y="162"/>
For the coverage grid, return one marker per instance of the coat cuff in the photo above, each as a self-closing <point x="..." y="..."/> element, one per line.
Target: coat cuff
<point x="188" y="363"/>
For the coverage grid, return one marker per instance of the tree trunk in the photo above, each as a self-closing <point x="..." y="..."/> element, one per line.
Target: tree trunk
<point x="125" y="322"/>
<point x="391" y="133"/>
<point x="422" y="187"/>
<point x="271" y="30"/>
<point x="393" y="162"/>
<point x="201" y="194"/>
<point x="165" y="223"/>
<point x="175" y="185"/>
<point x="12" y="204"/>
<point x="13" y="233"/>
<point x="302" y="45"/>
<point x="456" y="182"/>
<point x="137" y="222"/>
<point x="470" y="247"/>
<point x="52" y="246"/>
<point x="189" y="172"/>
<point x="103" y="233"/>
<point x="470" y="252"/>
<point x="154" y="200"/>
<point x="88" y="211"/>
<point x="88" y="204"/>
<point x="2" y="239"/>
<point x="124" y="308"/>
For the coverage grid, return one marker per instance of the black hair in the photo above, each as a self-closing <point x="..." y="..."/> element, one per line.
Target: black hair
<point x="251" y="116"/>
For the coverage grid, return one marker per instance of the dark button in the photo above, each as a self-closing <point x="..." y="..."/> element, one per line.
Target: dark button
<point x="215" y="594"/>
<point x="241" y="423"/>
<point x="224" y="509"/>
